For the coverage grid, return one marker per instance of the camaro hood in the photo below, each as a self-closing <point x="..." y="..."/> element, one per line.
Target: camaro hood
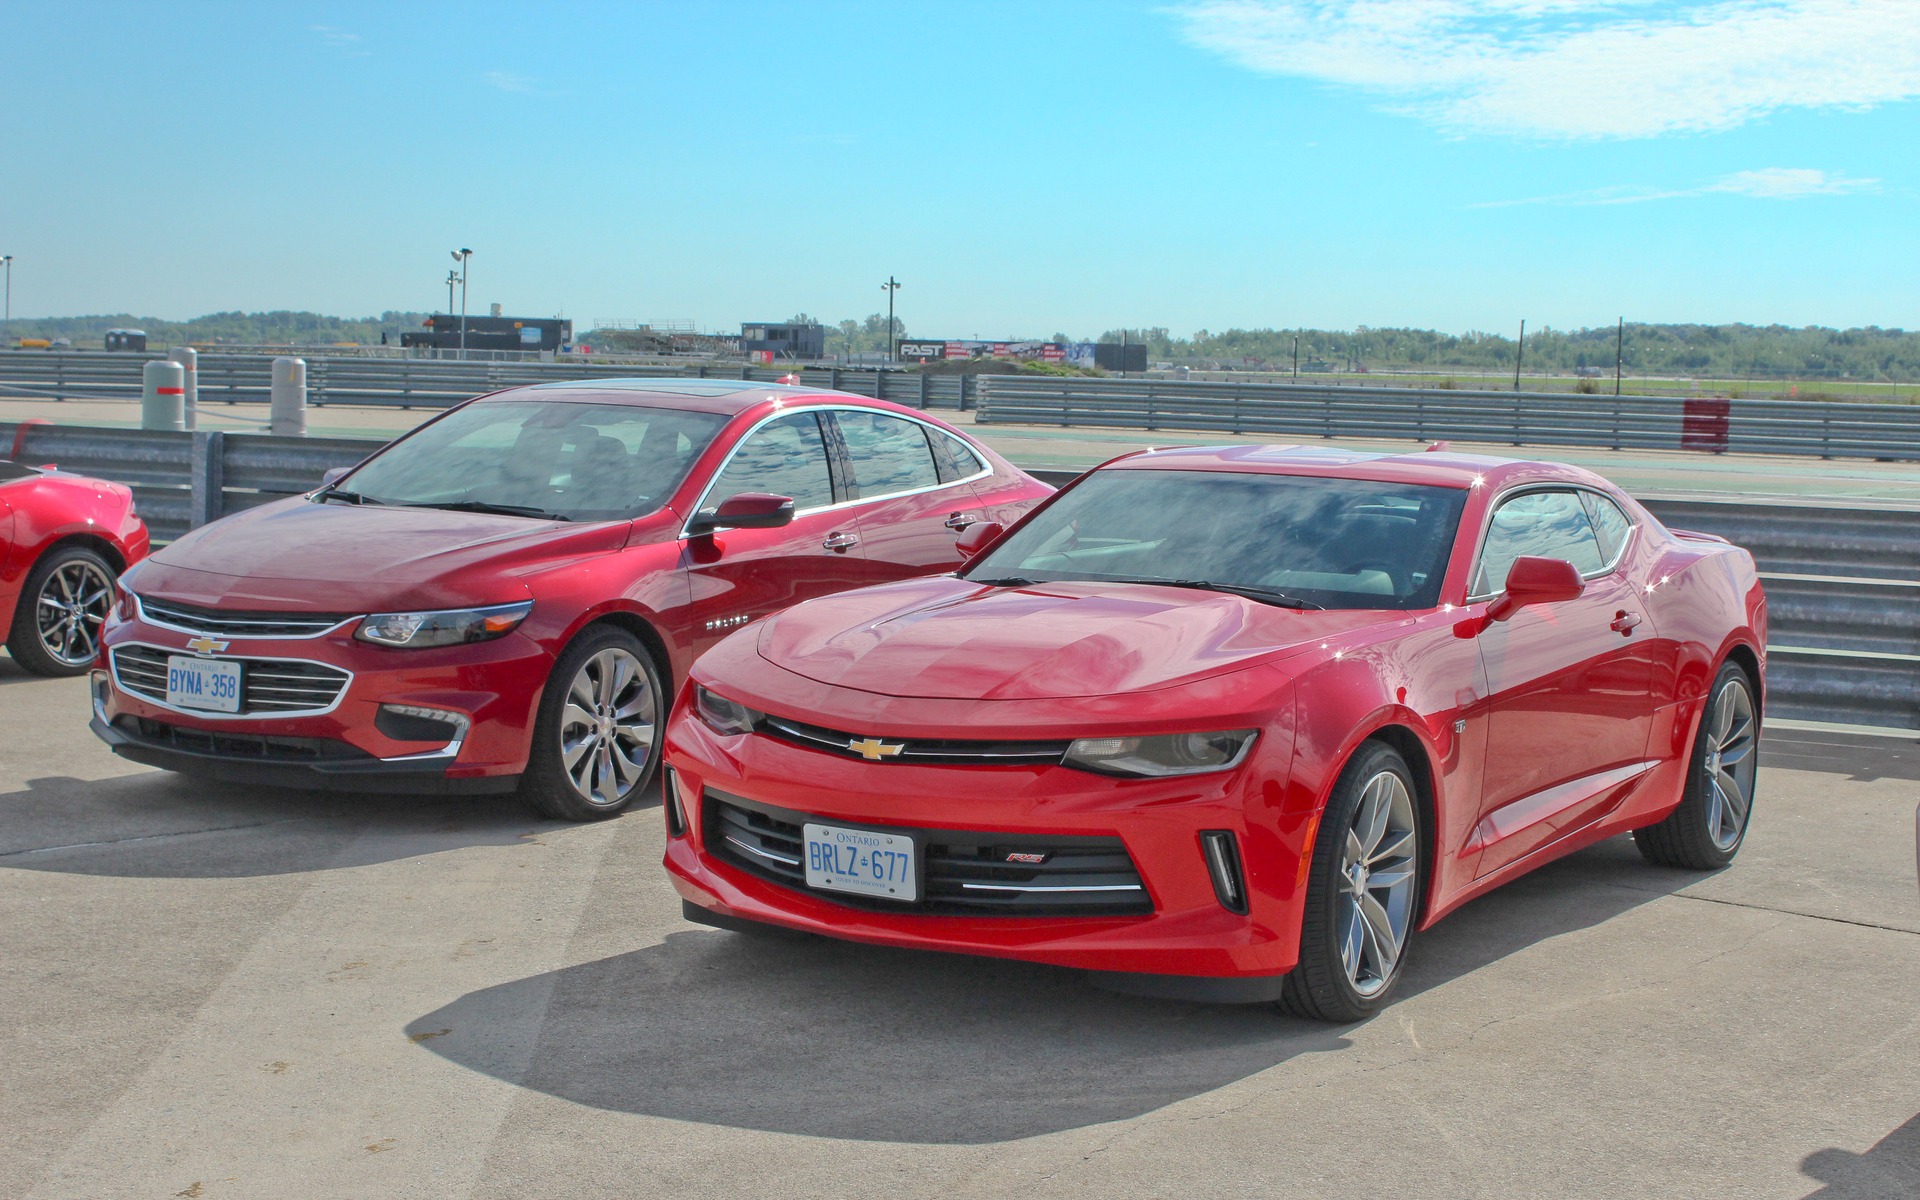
<point x="294" y="554"/>
<point x="950" y="639"/>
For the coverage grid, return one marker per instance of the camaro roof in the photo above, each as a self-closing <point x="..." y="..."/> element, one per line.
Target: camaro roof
<point x="1441" y="468"/>
<point x="726" y="396"/>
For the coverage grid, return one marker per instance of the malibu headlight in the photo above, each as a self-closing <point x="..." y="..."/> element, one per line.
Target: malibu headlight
<point x="1162" y="754"/>
<point x="721" y="714"/>
<point x="444" y="627"/>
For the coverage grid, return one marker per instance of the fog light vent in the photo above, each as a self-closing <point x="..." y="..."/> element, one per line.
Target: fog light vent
<point x="1223" y="863"/>
<point x="411" y="723"/>
<point x="676" y="805"/>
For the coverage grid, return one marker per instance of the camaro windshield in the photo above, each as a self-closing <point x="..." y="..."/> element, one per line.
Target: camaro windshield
<point x="1299" y="541"/>
<point x="562" y="461"/>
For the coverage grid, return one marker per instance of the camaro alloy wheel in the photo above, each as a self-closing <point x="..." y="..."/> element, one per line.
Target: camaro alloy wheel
<point x="598" y="738"/>
<point x="1362" y="892"/>
<point x="1705" y="832"/>
<point x="57" y="628"/>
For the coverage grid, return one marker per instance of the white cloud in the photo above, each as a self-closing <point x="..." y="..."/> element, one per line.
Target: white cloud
<point x="1769" y="183"/>
<point x="506" y="81"/>
<point x="339" y="39"/>
<point x="1579" y="68"/>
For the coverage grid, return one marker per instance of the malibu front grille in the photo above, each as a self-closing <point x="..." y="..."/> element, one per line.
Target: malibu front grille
<point x="268" y="686"/>
<point x="233" y="623"/>
<point x="964" y="872"/>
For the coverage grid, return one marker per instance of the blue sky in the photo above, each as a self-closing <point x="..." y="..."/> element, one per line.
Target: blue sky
<point x="1022" y="168"/>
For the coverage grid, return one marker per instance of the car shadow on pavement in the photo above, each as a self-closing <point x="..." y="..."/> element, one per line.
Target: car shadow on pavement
<point x="156" y="824"/>
<point x="1890" y="1169"/>
<point x="820" y="1038"/>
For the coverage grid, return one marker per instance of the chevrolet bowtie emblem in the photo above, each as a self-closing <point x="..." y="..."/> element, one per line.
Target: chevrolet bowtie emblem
<point x="873" y="749"/>
<point x="206" y="645"/>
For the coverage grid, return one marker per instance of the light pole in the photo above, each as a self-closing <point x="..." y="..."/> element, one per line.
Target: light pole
<point x="891" y="286"/>
<point x="8" y="260"/>
<point x="453" y="277"/>
<point x="461" y="256"/>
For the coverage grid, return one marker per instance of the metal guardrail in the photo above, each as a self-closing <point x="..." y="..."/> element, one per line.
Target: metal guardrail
<point x="1707" y="423"/>
<point x="426" y="383"/>
<point x="1843" y="585"/>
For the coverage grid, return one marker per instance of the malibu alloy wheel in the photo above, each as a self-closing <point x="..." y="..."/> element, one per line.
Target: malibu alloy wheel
<point x="597" y="741"/>
<point x="56" y="630"/>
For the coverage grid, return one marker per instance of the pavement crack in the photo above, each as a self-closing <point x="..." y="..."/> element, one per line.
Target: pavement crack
<point x="1789" y="912"/>
<point x="154" y="837"/>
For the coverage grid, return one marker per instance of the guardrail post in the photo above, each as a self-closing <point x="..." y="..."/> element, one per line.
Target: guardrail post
<point x="189" y="360"/>
<point x="207" y="477"/>
<point x="287" y="403"/>
<point x="163" y="390"/>
<point x="924" y="377"/>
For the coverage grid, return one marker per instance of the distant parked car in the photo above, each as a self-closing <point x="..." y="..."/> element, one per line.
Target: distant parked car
<point x="507" y="596"/>
<point x="1230" y="723"/>
<point x="66" y="538"/>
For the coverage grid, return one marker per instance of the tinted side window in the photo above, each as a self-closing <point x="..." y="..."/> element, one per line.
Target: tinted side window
<point x="786" y="456"/>
<point x="889" y="454"/>
<point x="1537" y="525"/>
<point x="954" y="457"/>
<point x="1610" y="523"/>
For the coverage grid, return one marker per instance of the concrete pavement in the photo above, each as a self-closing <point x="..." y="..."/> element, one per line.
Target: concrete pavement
<point x="235" y="992"/>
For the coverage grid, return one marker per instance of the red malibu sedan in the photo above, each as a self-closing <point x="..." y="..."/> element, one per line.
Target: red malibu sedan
<point x="505" y="597"/>
<point x="1228" y="723"/>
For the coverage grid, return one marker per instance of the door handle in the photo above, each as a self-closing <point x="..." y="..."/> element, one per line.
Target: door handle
<point x="1623" y="622"/>
<point x="959" y="521"/>
<point x="839" y="542"/>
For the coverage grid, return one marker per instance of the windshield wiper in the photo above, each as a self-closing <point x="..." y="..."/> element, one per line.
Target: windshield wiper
<point x="485" y="506"/>
<point x="1009" y="581"/>
<point x="346" y="497"/>
<point x="1263" y="595"/>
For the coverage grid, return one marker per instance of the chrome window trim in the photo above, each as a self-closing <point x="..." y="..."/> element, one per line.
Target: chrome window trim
<point x="113" y="665"/>
<point x="1486" y="526"/>
<point x="706" y="493"/>
<point x="140" y="610"/>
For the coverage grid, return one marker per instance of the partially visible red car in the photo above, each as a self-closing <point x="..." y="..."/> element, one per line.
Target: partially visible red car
<point x="1230" y="723"/>
<point x="507" y="596"/>
<point x="64" y="539"/>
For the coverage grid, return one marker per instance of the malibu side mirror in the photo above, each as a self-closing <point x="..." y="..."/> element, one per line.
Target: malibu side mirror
<point x="974" y="537"/>
<point x="748" y="510"/>
<point x="334" y="475"/>
<point x="1535" y="581"/>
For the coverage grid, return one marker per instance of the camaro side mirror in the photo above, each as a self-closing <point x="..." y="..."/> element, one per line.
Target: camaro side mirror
<point x="748" y="510"/>
<point x="975" y="537"/>
<point x="1535" y="581"/>
<point x="334" y="475"/>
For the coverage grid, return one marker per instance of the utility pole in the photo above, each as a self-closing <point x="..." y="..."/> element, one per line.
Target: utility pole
<point x="1519" y="352"/>
<point x="1296" y="358"/>
<point x="8" y="260"/>
<point x="461" y="256"/>
<point x="1619" y="354"/>
<point x="891" y="286"/>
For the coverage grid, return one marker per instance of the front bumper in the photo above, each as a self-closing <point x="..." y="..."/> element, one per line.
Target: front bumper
<point x="492" y="689"/>
<point x="1186" y="942"/>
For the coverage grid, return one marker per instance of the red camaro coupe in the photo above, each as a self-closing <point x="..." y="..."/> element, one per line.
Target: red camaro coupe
<point x="1228" y="723"/>
<point x="63" y="540"/>
<point x="506" y="596"/>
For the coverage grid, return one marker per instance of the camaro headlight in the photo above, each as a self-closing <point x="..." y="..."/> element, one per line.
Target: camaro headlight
<point x="721" y="714"/>
<point x="1162" y="754"/>
<point x="447" y="627"/>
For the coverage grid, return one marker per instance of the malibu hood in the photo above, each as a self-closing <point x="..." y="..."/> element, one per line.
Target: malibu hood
<point x="346" y="558"/>
<point x="946" y="638"/>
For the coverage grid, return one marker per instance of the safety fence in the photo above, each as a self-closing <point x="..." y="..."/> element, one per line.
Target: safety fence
<point x="1843" y="584"/>
<point x="1713" y="424"/>
<point x="426" y="383"/>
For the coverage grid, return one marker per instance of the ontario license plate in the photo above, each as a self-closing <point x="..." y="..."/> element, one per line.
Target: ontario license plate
<point x="209" y="683"/>
<point x="859" y="860"/>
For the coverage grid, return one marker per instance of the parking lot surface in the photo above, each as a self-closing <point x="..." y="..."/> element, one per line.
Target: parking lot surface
<point x="219" y="991"/>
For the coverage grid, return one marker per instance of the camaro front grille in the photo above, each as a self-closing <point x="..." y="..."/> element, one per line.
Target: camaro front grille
<point x="267" y="685"/>
<point x="222" y="622"/>
<point x="963" y="872"/>
<point x="914" y="750"/>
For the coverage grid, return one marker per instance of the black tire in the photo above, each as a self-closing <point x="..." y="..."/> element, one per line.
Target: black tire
<point x="56" y="628"/>
<point x="1323" y="987"/>
<point x="578" y="768"/>
<point x="1699" y="835"/>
